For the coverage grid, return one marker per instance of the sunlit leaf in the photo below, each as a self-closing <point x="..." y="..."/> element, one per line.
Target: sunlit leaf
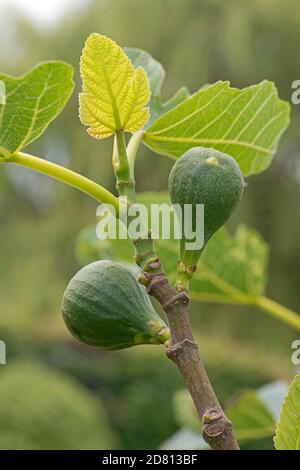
<point x="245" y="124"/>
<point x="288" y="429"/>
<point x="32" y="101"/>
<point x="115" y="95"/>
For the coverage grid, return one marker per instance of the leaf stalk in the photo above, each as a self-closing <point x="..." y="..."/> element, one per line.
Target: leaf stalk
<point x="125" y="181"/>
<point x="64" y="175"/>
<point x="278" y="311"/>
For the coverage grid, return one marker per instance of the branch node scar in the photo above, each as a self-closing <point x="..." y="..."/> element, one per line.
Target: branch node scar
<point x="181" y="297"/>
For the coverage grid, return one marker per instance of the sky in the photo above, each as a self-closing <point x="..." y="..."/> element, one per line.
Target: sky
<point x="42" y="12"/>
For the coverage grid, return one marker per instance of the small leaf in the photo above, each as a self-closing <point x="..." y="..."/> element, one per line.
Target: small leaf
<point x="288" y="429"/>
<point x="32" y="102"/>
<point x="250" y="417"/>
<point x="245" y="124"/>
<point x="114" y="94"/>
<point x="156" y="75"/>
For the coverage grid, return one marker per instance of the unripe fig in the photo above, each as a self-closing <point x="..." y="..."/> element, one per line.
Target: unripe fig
<point x="104" y="305"/>
<point x="209" y="177"/>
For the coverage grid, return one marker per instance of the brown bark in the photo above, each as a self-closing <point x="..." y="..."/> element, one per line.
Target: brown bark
<point x="184" y="352"/>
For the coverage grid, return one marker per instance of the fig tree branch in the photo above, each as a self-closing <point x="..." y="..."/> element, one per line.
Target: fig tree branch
<point x="184" y="352"/>
<point x="182" y="348"/>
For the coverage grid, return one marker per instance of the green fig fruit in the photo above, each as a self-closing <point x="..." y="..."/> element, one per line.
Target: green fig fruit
<point x="104" y="305"/>
<point x="209" y="177"/>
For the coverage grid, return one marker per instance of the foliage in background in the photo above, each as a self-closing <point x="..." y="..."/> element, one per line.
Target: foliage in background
<point x="41" y="409"/>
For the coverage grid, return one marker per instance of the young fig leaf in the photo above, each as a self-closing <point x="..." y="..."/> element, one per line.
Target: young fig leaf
<point x="115" y="95"/>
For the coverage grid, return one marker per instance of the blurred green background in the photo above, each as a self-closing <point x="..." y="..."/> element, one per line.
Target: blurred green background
<point x="54" y="391"/>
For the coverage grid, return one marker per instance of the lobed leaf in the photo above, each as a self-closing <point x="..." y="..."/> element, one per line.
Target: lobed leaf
<point x="115" y="95"/>
<point x="32" y="101"/>
<point x="245" y="124"/>
<point x="288" y="428"/>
